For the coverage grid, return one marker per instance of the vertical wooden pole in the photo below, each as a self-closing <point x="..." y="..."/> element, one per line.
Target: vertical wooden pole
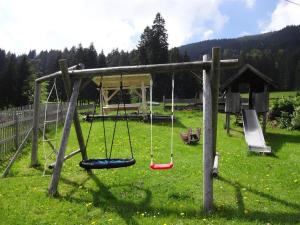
<point x="67" y="84"/>
<point x="64" y="141"/>
<point x="100" y="101"/>
<point x="144" y="103"/>
<point x="215" y="80"/>
<point x="35" y="130"/>
<point x="207" y="143"/>
<point x="264" y="122"/>
<point x="228" y="123"/>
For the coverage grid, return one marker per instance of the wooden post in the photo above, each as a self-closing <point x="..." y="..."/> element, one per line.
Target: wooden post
<point x="228" y="123"/>
<point x="264" y="122"/>
<point x="144" y="101"/>
<point x="101" y="101"/>
<point x="35" y="129"/>
<point x="215" y="82"/>
<point x="207" y="143"/>
<point x="16" y="129"/>
<point x="67" y="85"/>
<point x="64" y="141"/>
<point x="52" y="165"/>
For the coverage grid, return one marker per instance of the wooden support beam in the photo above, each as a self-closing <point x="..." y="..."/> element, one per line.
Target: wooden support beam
<point x="35" y="129"/>
<point x="67" y="85"/>
<point x="155" y="68"/>
<point x="52" y="165"/>
<point x="64" y="141"/>
<point x="112" y="95"/>
<point x="215" y="86"/>
<point x="144" y="100"/>
<point x="18" y="152"/>
<point x="207" y="142"/>
<point x="138" y="93"/>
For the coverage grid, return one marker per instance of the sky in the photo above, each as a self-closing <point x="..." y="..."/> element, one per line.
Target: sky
<point x="108" y="24"/>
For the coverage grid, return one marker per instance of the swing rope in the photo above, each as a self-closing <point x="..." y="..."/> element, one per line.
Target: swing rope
<point x="153" y="165"/>
<point x="109" y="162"/>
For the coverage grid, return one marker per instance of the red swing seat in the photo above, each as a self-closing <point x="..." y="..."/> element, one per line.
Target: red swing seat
<point x="165" y="166"/>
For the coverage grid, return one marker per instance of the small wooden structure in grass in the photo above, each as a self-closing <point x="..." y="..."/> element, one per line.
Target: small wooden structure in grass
<point x="111" y="86"/>
<point x="248" y="79"/>
<point x="211" y="80"/>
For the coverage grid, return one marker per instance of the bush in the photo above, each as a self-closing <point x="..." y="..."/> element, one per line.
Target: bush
<point x="287" y="112"/>
<point x="295" y="121"/>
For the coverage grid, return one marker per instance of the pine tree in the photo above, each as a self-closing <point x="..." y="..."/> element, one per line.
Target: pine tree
<point x="102" y="60"/>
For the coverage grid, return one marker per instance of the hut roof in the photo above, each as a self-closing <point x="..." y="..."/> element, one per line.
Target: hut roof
<point x="247" y="70"/>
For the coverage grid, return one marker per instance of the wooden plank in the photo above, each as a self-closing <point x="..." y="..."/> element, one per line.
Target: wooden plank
<point x="67" y="84"/>
<point x="207" y="142"/>
<point x="112" y="95"/>
<point x="19" y="150"/>
<point x="52" y="165"/>
<point x="65" y="137"/>
<point x="155" y="68"/>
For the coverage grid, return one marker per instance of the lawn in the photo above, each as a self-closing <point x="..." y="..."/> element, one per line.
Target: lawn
<point x="251" y="189"/>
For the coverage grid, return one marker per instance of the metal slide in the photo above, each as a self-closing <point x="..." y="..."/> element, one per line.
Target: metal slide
<point x="253" y="132"/>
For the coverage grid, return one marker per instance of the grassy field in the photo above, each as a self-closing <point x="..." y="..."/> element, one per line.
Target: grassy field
<point x="251" y="189"/>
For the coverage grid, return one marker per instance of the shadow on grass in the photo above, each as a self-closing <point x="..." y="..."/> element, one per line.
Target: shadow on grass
<point x="276" y="141"/>
<point x="273" y="217"/>
<point x="103" y="198"/>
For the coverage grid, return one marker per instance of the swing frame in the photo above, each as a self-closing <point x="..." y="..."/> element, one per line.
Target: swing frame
<point x="80" y="77"/>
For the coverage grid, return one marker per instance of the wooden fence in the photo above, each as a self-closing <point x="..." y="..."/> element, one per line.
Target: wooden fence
<point x="16" y="122"/>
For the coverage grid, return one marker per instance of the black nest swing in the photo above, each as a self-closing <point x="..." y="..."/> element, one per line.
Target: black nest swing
<point x="108" y="162"/>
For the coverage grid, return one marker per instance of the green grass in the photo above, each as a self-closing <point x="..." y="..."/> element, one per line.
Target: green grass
<point x="251" y="189"/>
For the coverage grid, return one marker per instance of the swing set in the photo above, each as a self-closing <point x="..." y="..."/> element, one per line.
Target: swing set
<point x="108" y="162"/>
<point x="76" y="78"/>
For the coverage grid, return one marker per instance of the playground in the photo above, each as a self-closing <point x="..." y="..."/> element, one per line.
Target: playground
<point x="251" y="188"/>
<point x="149" y="171"/>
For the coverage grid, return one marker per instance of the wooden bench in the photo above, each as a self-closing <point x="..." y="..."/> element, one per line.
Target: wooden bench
<point x="114" y="107"/>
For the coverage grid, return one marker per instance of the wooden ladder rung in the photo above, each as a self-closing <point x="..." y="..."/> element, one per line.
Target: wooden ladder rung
<point x="49" y="121"/>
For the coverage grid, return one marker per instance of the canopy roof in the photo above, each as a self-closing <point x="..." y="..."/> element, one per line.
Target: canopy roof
<point x="129" y="81"/>
<point x="249" y="74"/>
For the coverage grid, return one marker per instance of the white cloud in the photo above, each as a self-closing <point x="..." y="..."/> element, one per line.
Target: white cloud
<point x="207" y="34"/>
<point x="284" y="14"/>
<point x="55" y="24"/>
<point x="249" y="3"/>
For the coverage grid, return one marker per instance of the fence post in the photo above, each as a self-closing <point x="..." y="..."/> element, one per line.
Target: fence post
<point x="16" y="125"/>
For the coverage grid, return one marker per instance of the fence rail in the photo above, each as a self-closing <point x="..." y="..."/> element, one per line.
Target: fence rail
<point x="16" y="122"/>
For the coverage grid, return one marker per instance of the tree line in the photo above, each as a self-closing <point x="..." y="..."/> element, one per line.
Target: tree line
<point x="276" y="54"/>
<point x="17" y="73"/>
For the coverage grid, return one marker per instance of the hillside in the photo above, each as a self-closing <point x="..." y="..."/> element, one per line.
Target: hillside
<point x="277" y="54"/>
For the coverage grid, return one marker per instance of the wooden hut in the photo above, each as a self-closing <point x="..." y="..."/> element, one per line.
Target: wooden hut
<point x="255" y="84"/>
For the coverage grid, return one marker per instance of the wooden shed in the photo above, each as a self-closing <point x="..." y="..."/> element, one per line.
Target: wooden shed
<point x="252" y="83"/>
